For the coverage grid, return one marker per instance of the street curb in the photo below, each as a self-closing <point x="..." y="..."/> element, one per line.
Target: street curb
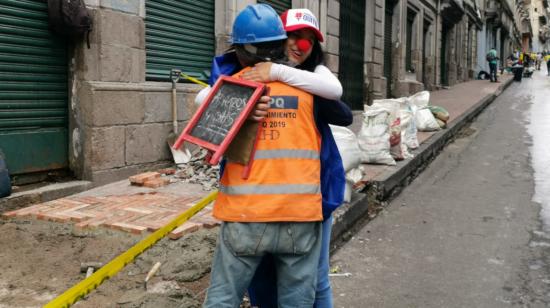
<point x="43" y="194"/>
<point x="389" y="184"/>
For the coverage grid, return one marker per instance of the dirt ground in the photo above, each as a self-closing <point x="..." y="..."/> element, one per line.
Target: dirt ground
<point x="40" y="260"/>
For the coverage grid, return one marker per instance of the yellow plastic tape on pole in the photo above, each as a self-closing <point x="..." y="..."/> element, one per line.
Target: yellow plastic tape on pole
<point x="87" y="285"/>
<point x="195" y="80"/>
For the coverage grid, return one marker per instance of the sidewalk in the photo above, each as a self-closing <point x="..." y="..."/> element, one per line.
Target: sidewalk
<point x="137" y="210"/>
<point x="464" y="102"/>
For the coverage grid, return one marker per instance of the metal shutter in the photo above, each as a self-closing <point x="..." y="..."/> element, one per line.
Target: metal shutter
<point x="279" y="5"/>
<point x="179" y="34"/>
<point x="352" y="37"/>
<point x="33" y="89"/>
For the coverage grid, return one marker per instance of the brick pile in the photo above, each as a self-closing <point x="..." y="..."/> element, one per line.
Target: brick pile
<point x="136" y="213"/>
<point x="152" y="179"/>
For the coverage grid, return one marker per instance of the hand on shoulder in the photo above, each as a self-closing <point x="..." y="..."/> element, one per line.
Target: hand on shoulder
<point x="259" y="73"/>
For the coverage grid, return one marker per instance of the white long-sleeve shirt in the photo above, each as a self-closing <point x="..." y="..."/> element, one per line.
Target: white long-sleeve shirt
<point x="320" y="82"/>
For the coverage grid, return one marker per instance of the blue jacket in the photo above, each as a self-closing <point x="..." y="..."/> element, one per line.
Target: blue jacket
<point x="325" y="112"/>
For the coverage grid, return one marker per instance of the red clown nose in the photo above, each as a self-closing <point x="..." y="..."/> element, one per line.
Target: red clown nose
<point x="303" y="44"/>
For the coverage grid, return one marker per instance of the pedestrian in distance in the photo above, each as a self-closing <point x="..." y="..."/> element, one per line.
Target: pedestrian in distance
<point x="517" y="65"/>
<point x="492" y="58"/>
<point x="547" y="60"/>
<point x="277" y="210"/>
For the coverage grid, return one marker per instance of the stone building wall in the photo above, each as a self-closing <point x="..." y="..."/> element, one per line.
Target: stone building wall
<point x="119" y="122"/>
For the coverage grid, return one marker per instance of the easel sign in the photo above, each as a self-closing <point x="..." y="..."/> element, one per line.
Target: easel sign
<point x="222" y="114"/>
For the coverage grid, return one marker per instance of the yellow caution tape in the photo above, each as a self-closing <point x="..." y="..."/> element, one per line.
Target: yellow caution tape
<point x="195" y="80"/>
<point x="87" y="285"/>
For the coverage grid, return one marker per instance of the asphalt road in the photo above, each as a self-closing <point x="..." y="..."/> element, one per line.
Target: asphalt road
<point x="466" y="232"/>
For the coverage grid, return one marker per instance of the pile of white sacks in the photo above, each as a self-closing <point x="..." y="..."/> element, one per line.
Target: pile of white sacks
<point x="388" y="132"/>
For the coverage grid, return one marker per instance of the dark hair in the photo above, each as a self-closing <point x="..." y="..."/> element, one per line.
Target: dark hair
<point x="316" y="57"/>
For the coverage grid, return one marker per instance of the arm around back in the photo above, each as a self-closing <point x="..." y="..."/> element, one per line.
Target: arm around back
<point x="320" y="82"/>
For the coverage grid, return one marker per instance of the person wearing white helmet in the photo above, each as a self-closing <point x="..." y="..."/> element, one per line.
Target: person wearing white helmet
<point x="278" y="210"/>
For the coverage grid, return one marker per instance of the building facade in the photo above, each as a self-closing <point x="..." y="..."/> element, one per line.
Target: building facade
<point x="104" y="112"/>
<point x="539" y="14"/>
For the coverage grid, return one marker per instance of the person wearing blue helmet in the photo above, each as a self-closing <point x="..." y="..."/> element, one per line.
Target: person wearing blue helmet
<point x="246" y="237"/>
<point x="305" y="53"/>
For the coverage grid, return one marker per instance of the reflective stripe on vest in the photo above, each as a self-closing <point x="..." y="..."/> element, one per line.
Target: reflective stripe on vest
<point x="285" y="179"/>
<point x="286" y="153"/>
<point x="270" y="189"/>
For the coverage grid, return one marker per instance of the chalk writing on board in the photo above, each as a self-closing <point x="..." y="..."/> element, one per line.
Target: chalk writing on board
<point x="225" y="108"/>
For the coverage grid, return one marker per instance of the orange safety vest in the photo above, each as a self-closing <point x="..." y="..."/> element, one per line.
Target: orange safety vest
<point x="285" y="178"/>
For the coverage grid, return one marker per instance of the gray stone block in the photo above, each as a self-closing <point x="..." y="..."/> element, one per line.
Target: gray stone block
<point x="334" y="8"/>
<point x="120" y="63"/>
<point x="106" y="147"/>
<point x="377" y="56"/>
<point x="402" y="88"/>
<point x="415" y="87"/>
<point x="87" y="62"/>
<point x="158" y="106"/>
<point x="378" y="13"/>
<point x="333" y="62"/>
<point x="378" y="42"/>
<point x="116" y="28"/>
<point x="117" y="108"/>
<point x="378" y="84"/>
<point x="379" y="28"/>
<point x="147" y="143"/>
<point x="376" y="70"/>
<point x="333" y="44"/>
<point x="333" y="26"/>
<point x="85" y="103"/>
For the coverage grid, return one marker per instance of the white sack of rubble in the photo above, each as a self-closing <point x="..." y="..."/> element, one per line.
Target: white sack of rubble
<point x="353" y="176"/>
<point x="425" y="120"/>
<point x="374" y="136"/>
<point x="420" y="99"/>
<point x="347" y="144"/>
<point x="409" y="136"/>
<point x="393" y="105"/>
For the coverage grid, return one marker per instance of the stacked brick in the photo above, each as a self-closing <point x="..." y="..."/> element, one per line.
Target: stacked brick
<point x="152" y="179"/>
<point x="131" y="213"/>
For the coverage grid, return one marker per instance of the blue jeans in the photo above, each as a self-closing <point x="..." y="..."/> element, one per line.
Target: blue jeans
<point x="493" y="71"/>
<point x="262" y="289"/>
<point x="295" y="248"/>
<point x="323" y="294"/>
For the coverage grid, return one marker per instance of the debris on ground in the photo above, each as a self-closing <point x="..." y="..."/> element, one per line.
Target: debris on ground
<point x="197" y="171"/>
<point x="55" y="254"/>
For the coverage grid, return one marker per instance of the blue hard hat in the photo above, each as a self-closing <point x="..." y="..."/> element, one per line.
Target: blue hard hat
<point x="256" y="24"/>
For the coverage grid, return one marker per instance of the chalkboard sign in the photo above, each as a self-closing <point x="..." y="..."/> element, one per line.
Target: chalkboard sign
<point x="219" y="118"/>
